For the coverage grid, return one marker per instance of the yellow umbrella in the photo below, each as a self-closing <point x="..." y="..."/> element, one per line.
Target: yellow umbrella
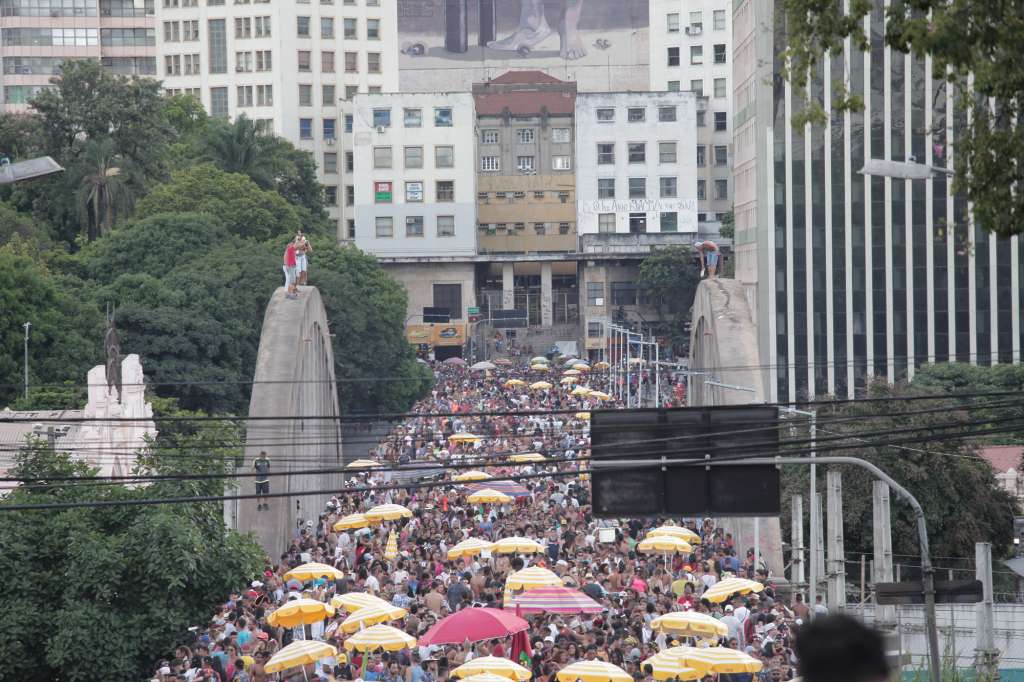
<point x="516" y="545"/>
<point x="312" y="571"/>
<point x="568" y="381"/>
<point x="489" y="496"/>
<point x="472" y="476"/>
<point x="585" y="416"/>
<point x="302" y="652"/>
<point x="353" y="601"/>
<point x="380" y="637"/>
<point x="601" y="365"/>
<point x="714" y="659"/>
<point x="539" y="360"/>
<point x="352" y="521"/>
<point x="690" y="624"/>
<point x="723" y="589"/>
<point x="540" y="368"/>
<point x="469" y="547"/>
<point x="465" y="438"/>
<point x="300" y="612"/>
<point x="665" y="667"/>
<point x="493" y="665"/>
<point x="664" y="543"/>
<point x="593" y="671"/>
<point x="388" y="512"/>
<point x="363" y="618"/>
<point x="571" y="373"/>
<point x="391" y="551"/>
<point x="582" y="366"/>
<point x="540" y="386"/>
<point x="363" y="464"/>
<point x="531" y="577"/>
<point x="600" y="395"/>
<point x="681" y="532"/>
<point x="582" y="391"/>
<point x="524" y="457"/>
<point x="485" y="677"/>
<point x="514" y="382"/>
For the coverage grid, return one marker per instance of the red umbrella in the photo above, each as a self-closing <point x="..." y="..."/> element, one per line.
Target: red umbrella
<point x="474" y="625"/>
<point x="553" y="600"/>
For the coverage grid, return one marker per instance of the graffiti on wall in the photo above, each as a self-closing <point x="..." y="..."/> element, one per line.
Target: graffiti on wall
<point x="447" y="45"/>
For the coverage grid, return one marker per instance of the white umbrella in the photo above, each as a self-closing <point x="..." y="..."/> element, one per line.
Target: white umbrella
<point x="483" y="365"/>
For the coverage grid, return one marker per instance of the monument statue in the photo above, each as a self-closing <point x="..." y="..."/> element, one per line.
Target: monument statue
<point x="112" y="346"/>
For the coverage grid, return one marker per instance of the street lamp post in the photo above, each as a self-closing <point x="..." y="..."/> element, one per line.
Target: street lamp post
<point x="26" y="326"/>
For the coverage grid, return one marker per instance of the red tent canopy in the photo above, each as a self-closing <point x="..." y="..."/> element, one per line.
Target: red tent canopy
<point x="475" y="625"/>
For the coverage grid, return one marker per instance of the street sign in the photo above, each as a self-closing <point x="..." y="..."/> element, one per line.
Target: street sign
<point x="623" y="439"/>
<point x="473" y="310"/>
<point x="946" y="592"/>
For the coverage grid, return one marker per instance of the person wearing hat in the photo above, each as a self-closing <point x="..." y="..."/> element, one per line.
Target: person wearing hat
<point x="708" y="252"/>
<point x="262" y="466"/>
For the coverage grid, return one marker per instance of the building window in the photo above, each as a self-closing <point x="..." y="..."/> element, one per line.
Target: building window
<point x="595" y="330"/>
<point x="605" y="153"/>
<point x="306" y="128"/>
<point x="719" y="54"/>
<point x="673" y="86"/>
<point x="330" y="195"/>
<point x="385" y="226"/>
<point x="670" y="221"/>
<point x="414" y="157"/>
<point x="561" y="135"/>
<point x="219" y="102"/>
<point x="561" y="163"/>
<point x="540" y="228"/>
<point x="489" y="136"/>
<point x="525" y="135"/>
<point x="414" y="192"/>
<point x="351" y="62"/>
<point x="638" y="188"/>
<point x="637" y="223"/>
<point x="702" y="156"/>
<point x="381" y="118"/>
<point x="666" y="152"/>
<point x="702" y="190"/>
<point x="218" y="46"/>
<point x="326" y="62"/>
<point x="524" y="164"/>
<point x="445" y="191"/>
<point x="262" y="25"/>
<point x="606" y="188"/>
<point x="348" y="123"/>
<point x="349" y="162"/>
<point x="264" y="95"/>
<point x="412" y="118"/>
<point x="305" y="95"/>
<point x="305" y="60"/>
<point x="673" y="56"/>
<point x="595" y="290"/>
<point x="605" y="115"/>
<point x="382" y="157"/>
<point x="719" y="87"/>
<point x="605" y="223"/>
<point x="539" y="194"/>
<point x="697" y="87"/>
<point x="696" y="23"/>
<point x="382" y="192"/>
<point x="327" y="27"/>
<point x="637" y="152"/>
<point x="373" y="29"/>
<point x="490" y="163"/>
<point x="696" y="54"/>
<point x="351" y="227"/>
<point x="668" y="187"/>
<point x="330" y="162"/>
<point x="302" y="24"/>
<point x="443" y="117"/>
<point x="721" y="155"/>
<point x="449" y="296"/>
<point x="264" y="60"/>
<point x="327" y="95"/>
<point x="623" y="293"/>
<point x="721" y="121"/>
<point x="444" y="156"/>
<point x="666" y="114"/>
<point x="351" y="91"/>
<point x="243" y="96"/>
<point x="719" y="20"/>
<point x="701" y="119"/>
<point x="373" y="62"/>
<point x="350" y="28"/>
<point x="414" y="226"/>
<point x="243" y="27"/>
<point x="350" y="195"/>
<point x="721" y="189"/>
<point x="330" y="125"/>
<point x="445" y="226"/>
<point x="672" y="22"/>
<point x="636" y="114"/>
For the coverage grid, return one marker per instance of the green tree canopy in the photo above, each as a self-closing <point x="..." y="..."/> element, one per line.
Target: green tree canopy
<point x="669" y="278"/>
<point x="976" y="52"/>
<point x="231" y="199"/>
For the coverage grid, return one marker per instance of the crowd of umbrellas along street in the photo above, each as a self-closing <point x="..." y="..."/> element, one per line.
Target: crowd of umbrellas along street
<point x="499" y="580"/>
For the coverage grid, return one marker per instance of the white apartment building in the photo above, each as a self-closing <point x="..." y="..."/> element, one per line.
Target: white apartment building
<point x="415" y="192"/>
<point x="691" y="49"/>
<point x="636" y="162"/>
<point x="292" y="65"/>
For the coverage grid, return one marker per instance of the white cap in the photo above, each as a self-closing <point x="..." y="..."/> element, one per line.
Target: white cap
<point x="256" y="584"/>
<point x="728" y="608"/>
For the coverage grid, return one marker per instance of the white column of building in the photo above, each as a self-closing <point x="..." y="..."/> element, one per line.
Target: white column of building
<point x="809" y="257"/>
<point x="788" y="161"/>
<point x="993" y="307"/>
<point x="508" y="296"/>
<point x="908" y="214"/>
<point x="950" y="234"/>
<point x="869" y="288"/>
<point x="848" y="218"/>
<point x="887" y="56"/>
<point x="929" y="209"/>
<point x="1015" y="296"/>
<point x="830" y="350"/>
<point x="546" y="303"/>
<point x="972" y="263"/>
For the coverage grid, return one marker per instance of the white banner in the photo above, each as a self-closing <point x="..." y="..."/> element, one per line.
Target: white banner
<point x="684" y="206"/>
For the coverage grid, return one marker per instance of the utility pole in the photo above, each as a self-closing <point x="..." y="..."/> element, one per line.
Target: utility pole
<point x="816" y="569"/>
<point x="818" y="550"/>
<point x="986" y="655"/>
<point x="885" y="616"/>
<point x="836" y="555"/>
<point x="796" y="539"/>
<point x="26" y="326"/>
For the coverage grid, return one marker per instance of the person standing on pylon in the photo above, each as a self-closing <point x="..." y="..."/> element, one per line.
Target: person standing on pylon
<point x="262" y="466"/>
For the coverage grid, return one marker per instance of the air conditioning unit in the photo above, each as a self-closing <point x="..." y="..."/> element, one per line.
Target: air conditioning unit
<point x="329" y="141"/>
<point x="380" y="130"/>
<point x="694" y="30"/>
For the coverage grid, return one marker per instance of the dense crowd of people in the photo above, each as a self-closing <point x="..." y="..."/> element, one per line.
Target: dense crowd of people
<point x="551" y="505"/>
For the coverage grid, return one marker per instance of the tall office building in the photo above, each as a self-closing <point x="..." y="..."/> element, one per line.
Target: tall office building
<point x="37" y="35"/>
<point x="691" y="49"/>
<point x="855" y="276"/>
<point x="294" y="67"/>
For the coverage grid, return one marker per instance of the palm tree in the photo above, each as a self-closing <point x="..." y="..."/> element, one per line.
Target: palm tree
<point x="104" y="187"/>
<point x="240" y="147"/>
